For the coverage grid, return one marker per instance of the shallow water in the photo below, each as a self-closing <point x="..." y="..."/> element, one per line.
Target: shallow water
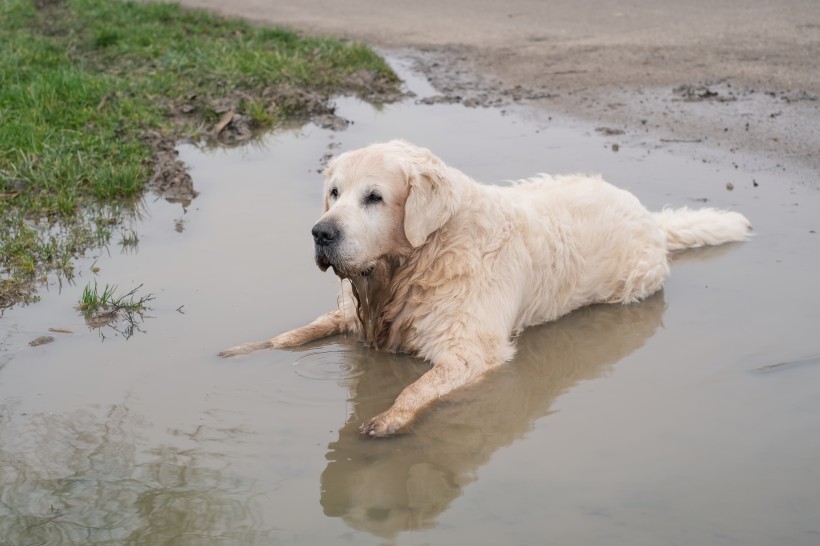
<point x="690" y="418"/>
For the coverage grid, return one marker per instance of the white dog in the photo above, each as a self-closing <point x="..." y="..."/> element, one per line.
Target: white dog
<point x="451" y="270"/>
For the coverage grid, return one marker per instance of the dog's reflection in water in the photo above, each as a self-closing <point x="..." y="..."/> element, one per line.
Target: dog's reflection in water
<point x="385" y="487"/>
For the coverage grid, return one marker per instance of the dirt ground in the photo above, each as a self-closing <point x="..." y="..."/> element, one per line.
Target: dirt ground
<point x="736" y="74"/>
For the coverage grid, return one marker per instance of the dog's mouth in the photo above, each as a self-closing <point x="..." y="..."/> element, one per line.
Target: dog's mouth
<point x="324" y="263"/>
<point x="328" y="258"/>
<point x="342" y="271"/>
<point x="349" y="274"/>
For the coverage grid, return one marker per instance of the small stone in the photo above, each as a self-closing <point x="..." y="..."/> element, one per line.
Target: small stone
<point x="42" y="340"/>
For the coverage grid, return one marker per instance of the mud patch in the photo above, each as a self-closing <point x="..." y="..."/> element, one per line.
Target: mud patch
<point x="706" y="92"/>
<point x="453" y="73"/>
<point x="226" y="119"/>
<point x="41" y="340"/>
<point x="171" y="179"/>
<point x="731" y="115"/>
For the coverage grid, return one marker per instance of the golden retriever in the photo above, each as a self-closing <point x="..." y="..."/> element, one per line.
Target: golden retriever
<point x="451" y="270"/>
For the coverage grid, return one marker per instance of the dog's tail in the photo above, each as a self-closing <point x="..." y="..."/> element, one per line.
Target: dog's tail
<point x="687" y="228"/>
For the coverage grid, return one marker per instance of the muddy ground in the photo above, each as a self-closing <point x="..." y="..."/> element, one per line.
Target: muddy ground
<point x="738" y="75"/>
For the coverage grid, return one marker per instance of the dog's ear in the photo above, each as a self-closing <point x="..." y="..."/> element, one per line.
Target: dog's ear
<point x="432" y="200"/>
<point x="328" y="173"/>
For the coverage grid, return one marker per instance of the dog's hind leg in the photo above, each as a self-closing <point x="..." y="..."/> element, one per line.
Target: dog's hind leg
<point x="327" y="325"/>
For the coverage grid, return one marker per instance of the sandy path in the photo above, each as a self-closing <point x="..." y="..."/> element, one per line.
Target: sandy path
<point x="736" y="74"/>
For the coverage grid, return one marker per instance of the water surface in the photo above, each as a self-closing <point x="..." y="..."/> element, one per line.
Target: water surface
<point x="690" y="418"/>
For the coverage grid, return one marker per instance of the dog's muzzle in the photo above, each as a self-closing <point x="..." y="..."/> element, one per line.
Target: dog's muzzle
<point x="326" y="235"/>
<point x="327" y="238"/>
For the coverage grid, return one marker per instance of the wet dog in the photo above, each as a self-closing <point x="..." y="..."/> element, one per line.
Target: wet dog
<point x="451" y="270"/>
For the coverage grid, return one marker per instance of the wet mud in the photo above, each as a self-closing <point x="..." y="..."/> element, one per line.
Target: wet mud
<point x="690" y="417"/>
<point x="616" y="63"/>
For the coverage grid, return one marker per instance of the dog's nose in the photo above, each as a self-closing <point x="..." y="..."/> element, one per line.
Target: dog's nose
<point x="324" y="233"/>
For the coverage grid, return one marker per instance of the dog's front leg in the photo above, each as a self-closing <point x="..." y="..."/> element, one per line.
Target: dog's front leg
<point x="327" y="325"/>
<point x="447" y="374"/>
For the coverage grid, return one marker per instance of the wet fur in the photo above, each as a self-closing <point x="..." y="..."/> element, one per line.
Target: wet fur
<point x="451" y="270"/>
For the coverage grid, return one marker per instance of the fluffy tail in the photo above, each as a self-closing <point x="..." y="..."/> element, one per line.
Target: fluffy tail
<point x="686" y="228"/>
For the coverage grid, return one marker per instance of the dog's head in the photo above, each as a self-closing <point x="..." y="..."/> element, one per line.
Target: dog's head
<point x="380" y="201"/>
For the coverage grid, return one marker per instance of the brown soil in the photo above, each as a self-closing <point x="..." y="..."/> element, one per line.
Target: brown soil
<point x="739" y="74"/>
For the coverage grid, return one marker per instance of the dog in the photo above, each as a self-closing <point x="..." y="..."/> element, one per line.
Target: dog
<point x="451" y="270"/>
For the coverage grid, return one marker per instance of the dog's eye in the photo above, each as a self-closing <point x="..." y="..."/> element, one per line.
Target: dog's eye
<point x="373" y="197"/>
<point x="334" y="193"/>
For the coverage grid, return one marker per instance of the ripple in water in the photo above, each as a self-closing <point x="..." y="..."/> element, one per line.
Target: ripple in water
<point x="336" y="363"/>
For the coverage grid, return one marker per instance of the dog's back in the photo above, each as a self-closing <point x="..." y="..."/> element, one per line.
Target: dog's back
<point x="591" y="242"/>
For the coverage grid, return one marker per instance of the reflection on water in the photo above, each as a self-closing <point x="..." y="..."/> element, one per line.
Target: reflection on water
<point x="80" y="478"/>
<point x="389" y="486"/>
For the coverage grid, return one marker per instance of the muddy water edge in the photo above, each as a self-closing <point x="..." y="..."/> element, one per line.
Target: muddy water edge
<point x="692" y="417"/>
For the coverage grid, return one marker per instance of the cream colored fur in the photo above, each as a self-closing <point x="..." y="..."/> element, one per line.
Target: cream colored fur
<point x="451" y="270"/>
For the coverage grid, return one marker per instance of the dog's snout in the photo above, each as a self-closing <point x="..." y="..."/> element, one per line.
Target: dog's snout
<point x="324" y="233"/>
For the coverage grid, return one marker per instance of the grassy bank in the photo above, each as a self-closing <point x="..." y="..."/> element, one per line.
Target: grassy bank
<point x="93" y="93"/>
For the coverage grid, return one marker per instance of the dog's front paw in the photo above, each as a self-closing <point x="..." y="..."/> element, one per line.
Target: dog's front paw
<point x="386" y="424"/>
<point x="243" y="349"/>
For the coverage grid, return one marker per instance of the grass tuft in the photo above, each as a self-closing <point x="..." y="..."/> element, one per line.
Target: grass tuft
<point x="106" y="308"/>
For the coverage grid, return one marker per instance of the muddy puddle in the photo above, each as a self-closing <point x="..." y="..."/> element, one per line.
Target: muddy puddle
<point x="690" y="418"/>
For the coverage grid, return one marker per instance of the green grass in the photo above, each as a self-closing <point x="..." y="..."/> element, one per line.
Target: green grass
<point x="94" y="302"/>
<point x="84" y="82"/>
<point x="106" y="308"/>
